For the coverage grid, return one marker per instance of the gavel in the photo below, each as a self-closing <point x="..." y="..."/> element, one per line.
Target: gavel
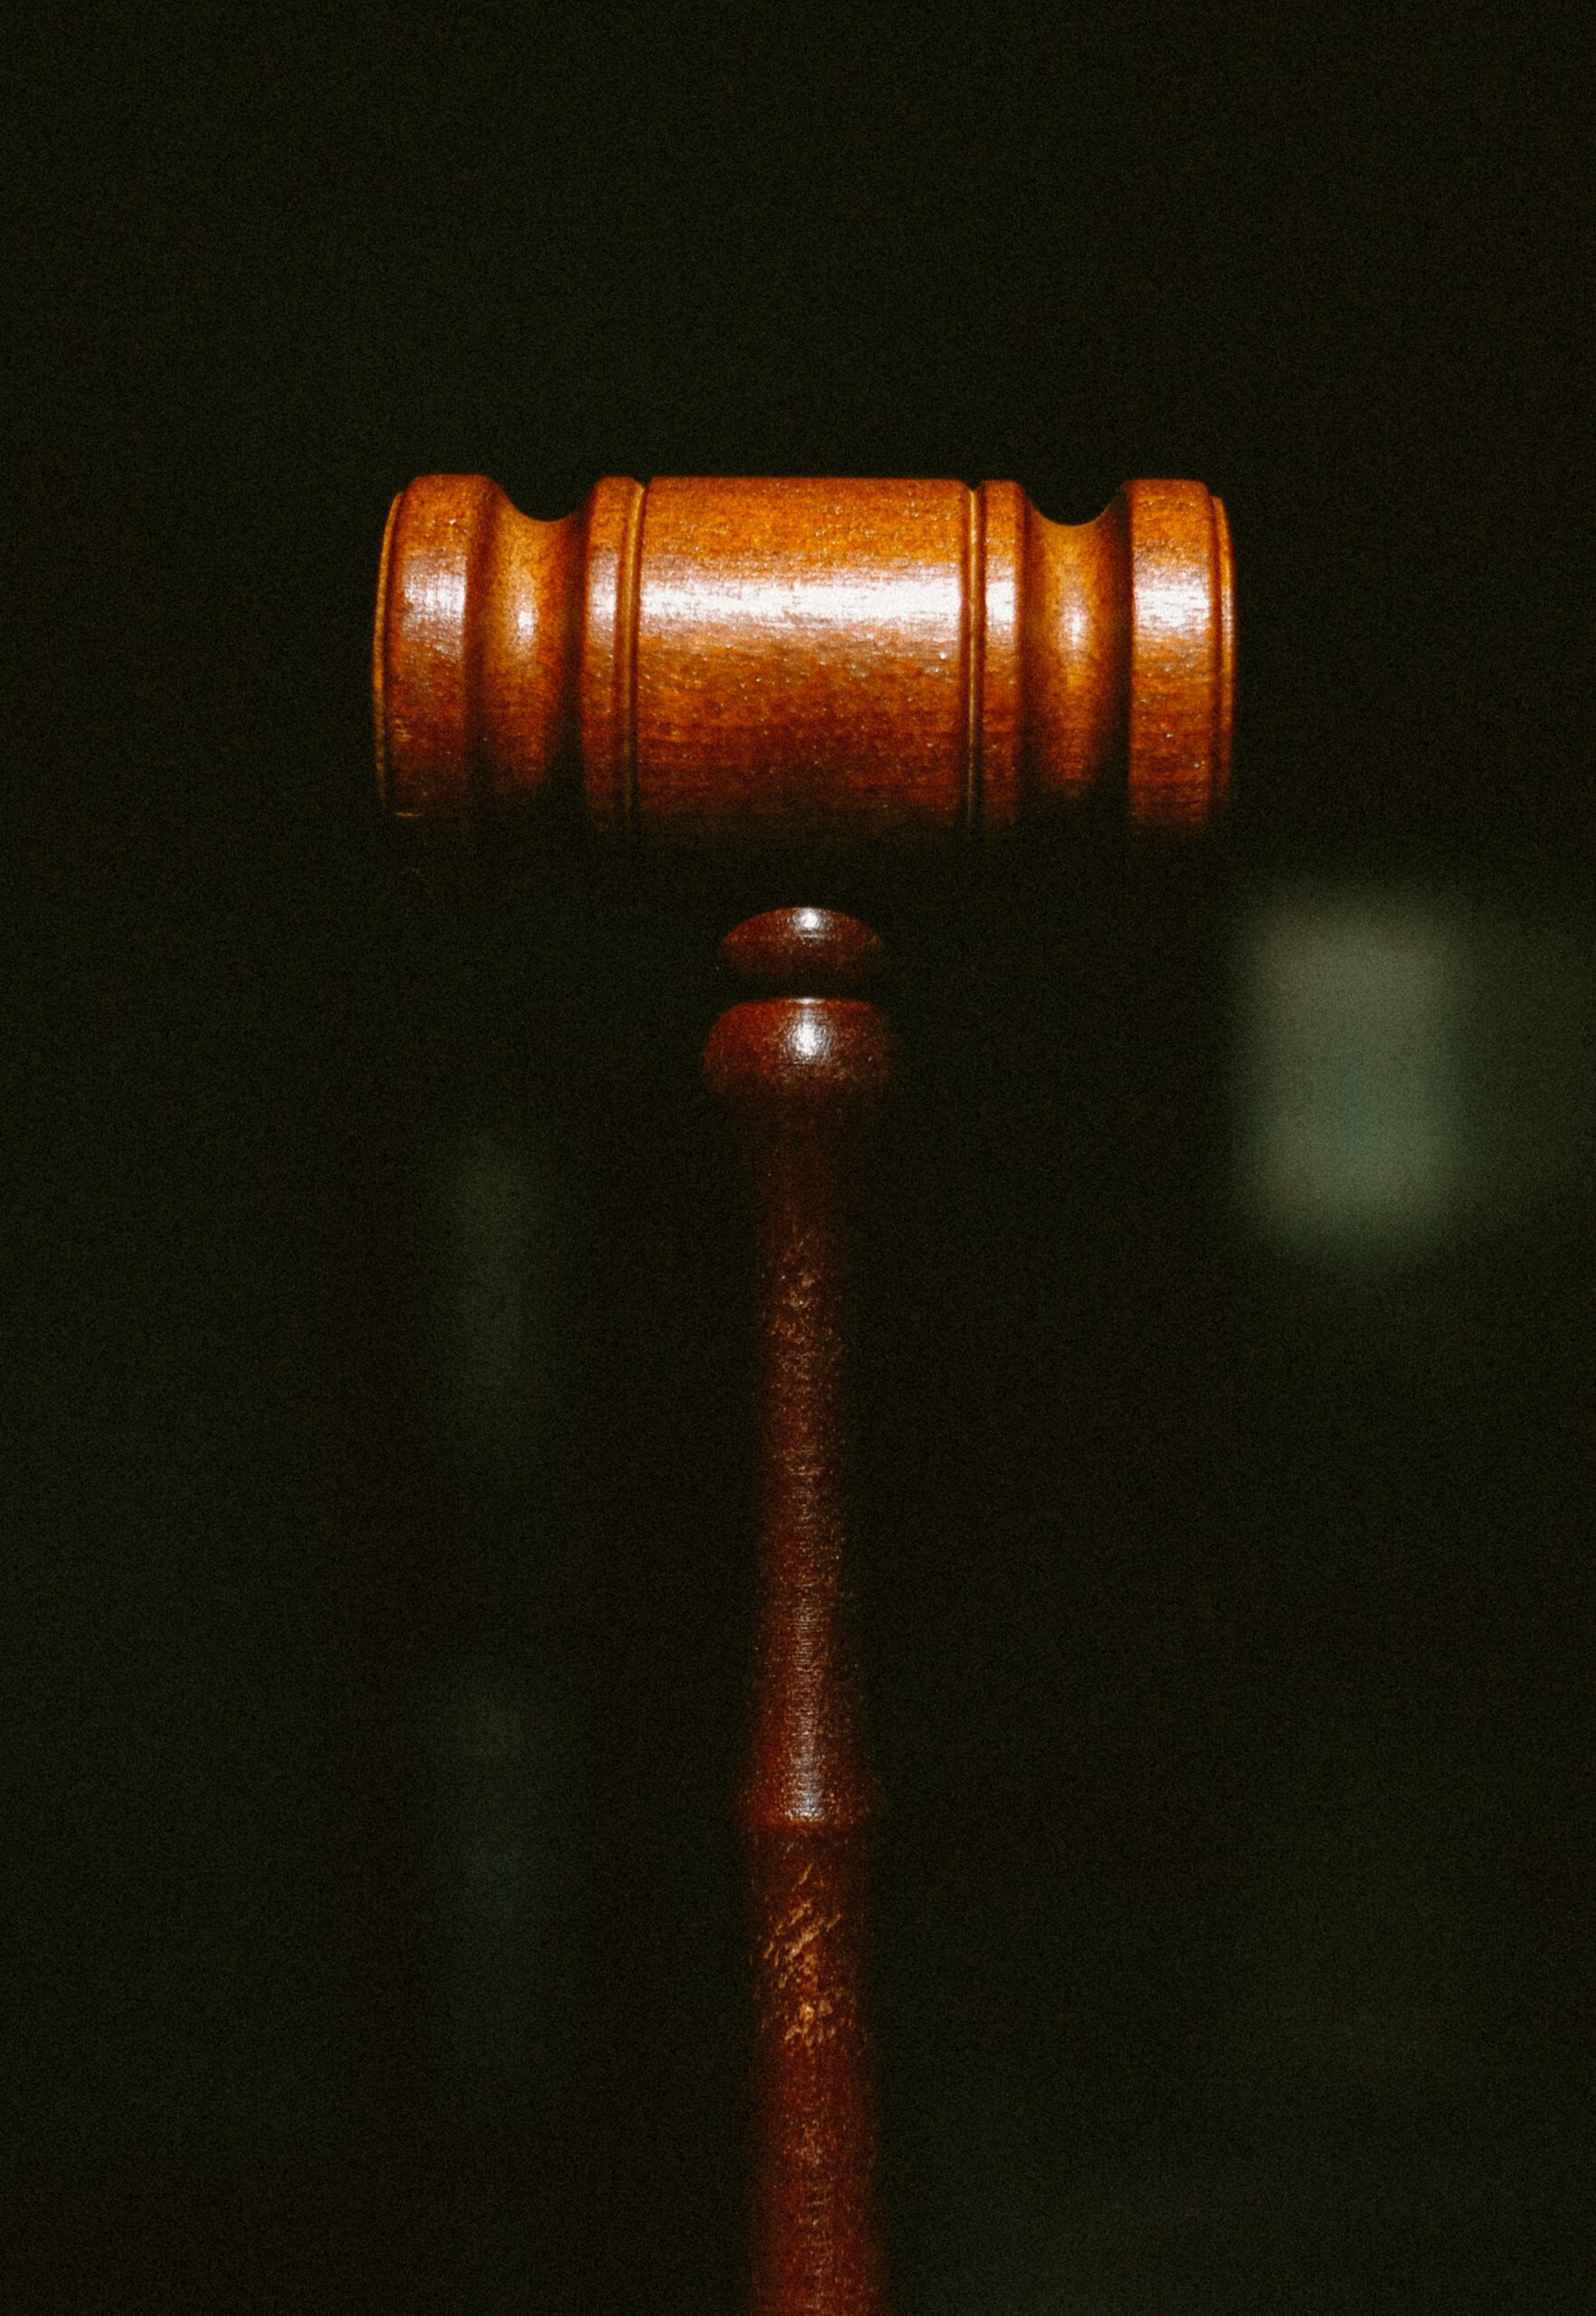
<point x="787" y="663"/>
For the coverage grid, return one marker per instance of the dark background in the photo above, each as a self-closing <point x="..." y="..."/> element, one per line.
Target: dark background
<point x="376" y="1345"/>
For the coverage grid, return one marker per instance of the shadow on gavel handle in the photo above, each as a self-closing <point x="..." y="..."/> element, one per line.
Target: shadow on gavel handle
<point x="802" y="1074"/>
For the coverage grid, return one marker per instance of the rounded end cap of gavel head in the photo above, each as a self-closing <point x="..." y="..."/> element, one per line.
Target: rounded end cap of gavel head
<point x="425" y="661"/>
<point x="740" y="661"/>
<point x="1180" y="678"/>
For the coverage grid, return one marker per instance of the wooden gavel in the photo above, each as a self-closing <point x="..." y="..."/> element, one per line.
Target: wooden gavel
<point x="702" y="661"/>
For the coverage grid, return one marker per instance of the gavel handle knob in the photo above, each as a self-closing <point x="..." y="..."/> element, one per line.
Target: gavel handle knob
<point x="802" y="1075"/>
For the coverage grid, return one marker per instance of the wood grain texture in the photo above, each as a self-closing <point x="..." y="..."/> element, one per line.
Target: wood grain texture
<point x="803" y="659"/>
<point x="802" y="1075"/>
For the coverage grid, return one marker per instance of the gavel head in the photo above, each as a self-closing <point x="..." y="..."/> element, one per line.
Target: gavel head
<point x="804" y="661"/>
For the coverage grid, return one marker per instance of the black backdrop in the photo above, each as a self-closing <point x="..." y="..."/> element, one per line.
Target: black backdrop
<point x="376" y="1932"/>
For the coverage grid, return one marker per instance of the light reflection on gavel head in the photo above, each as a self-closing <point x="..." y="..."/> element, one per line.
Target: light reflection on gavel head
<point x="804" y="660"/>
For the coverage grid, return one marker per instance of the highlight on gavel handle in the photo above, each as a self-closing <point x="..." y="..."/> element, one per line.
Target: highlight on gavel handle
<point x="802" y="659"/>
<point x="800" y="1070"/>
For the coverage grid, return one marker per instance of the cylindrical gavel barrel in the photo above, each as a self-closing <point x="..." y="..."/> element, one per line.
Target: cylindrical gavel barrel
<point x="704" y="659"/>
<point x="802" y="1076"/>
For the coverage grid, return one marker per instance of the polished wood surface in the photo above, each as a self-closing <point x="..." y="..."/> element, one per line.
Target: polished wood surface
<point x="804" y="660"/>
<point x="802" y="1073"/>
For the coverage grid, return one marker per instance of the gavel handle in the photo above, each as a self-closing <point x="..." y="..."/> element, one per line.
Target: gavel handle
<point x="802" y="1075"/>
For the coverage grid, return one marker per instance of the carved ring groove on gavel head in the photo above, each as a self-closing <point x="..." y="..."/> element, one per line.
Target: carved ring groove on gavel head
<point x="804" y="660"/>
